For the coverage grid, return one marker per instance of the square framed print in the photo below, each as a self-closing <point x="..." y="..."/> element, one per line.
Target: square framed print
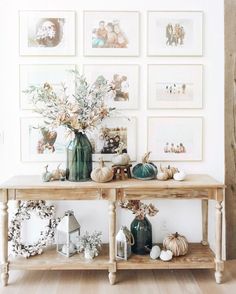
<point x="123" y="80"/>
<point x="39" y="143"/>
<point x="175" y="86"/>
<point x="38" y="74"/>
<point x="47" y="33"/>
<point x="175" y="138"/>
<point x="110" y="133"/>
<point x="111" y="33"/>
<point x="174" y="33"/>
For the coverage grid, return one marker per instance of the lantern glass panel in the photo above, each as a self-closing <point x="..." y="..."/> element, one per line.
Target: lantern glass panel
<point x="61" y="241"/>
<point x="121" y="249"/>
<point x="74" y="237"/>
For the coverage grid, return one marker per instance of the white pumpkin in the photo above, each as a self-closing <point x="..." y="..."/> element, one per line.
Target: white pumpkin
<point x="179" y="176"/>
<point x="102" y="173"/>
<point x="166" y="255"/>
<point x="155" y="252"/>
<point x="178" y="244"/>
<point x="121" y="159"/>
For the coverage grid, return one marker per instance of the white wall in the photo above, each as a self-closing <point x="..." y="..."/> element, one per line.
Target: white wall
<point x="174" y="216"/>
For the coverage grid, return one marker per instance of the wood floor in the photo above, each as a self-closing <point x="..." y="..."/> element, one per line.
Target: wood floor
<point x="138" y="282"/>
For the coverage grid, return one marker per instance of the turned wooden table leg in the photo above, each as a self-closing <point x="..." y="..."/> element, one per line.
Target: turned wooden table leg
<point x="4" y="239"/>
<point x="204" y="222"/>
<point x="112" y="242"/>
<point x="218" y="257"/>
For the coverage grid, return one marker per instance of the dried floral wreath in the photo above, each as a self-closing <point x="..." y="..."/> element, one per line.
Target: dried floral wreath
<point x="46" y="236"/>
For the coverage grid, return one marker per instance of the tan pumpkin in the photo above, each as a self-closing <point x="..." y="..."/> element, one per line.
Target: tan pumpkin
<point x="178" y="244"/>
<point x="169" y="170"/>
<point x="102" y="173"/>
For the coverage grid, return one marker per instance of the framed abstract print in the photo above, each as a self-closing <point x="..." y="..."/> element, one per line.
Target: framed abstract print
<point x="174" y="33"/>
<point x="111" y="33"/>
<point x="38" y="74"/>
<point x="174" y="86"/>
<point x="47" y="33"/>
<point x="175" y="138"/>
<point x="39" y="143"/>
<point x="113" y="131"/>
<point x="123" y="80"/>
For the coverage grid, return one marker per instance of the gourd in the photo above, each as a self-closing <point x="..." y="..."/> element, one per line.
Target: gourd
<point x="102" y="173"/>
<point x="120" y="158"/>
<point x="169" y="170"/>
<point x="58" y="174"/>
<point x="145" y="170"/>
<point x="46" y="176"/>
<point x="178" y="244"/>
<point x="166" y="255"/>
<point x="155" y="252"/>
<point x="162" y="176"/>
<point x="179" y="176"/>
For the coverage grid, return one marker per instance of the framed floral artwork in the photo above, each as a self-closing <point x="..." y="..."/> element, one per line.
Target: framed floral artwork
<point x="174" y="33"/>
<point x="39" y="74"/>
<point x="39" y="143"/>
<point x="123" y="80"/>
<point x="113" y="131"/>
<point x="47" y="32"/>
<point x="174" y="86"/>
<point x="111" y="33"/>
<point x="175" y="138"/>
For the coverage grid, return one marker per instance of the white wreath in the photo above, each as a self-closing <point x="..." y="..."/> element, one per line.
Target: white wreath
<point x="23" y="213"/>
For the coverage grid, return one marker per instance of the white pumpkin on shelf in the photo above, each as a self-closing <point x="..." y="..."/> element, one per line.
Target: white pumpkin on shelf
<point x="155" y="252"/>
<point x="166" y="255"/>
<point x="102" y="174"/>
<point x="121" y="158"/>
<point x="179" y="176"/>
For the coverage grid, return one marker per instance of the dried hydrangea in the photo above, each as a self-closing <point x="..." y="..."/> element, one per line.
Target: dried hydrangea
<point x="139" y="208"/>
<point x="89" y="242"/>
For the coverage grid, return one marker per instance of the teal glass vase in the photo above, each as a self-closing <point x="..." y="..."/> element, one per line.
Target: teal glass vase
<point x="142" y="232"/>
<point x="79" y="159"/>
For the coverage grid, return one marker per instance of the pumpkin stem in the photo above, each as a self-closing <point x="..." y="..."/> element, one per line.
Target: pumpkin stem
<point x="145" y="158"/>
<point x="161" y="168"/>
<point x="58" y="166"/>
<point x="176" y="235"/>
<point x="46" y="168"/>
<point x="101" y="162"/>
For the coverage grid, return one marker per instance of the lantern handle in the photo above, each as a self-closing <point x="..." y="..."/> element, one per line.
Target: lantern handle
<point x="131" y="239"/>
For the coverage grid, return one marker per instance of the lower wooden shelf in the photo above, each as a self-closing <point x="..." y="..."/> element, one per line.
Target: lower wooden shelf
<point x="198" y="257"/>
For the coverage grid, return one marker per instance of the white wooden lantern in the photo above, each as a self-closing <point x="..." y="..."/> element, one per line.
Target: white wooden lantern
<point x="124" y="241"/>
<point x="68" y="231"/>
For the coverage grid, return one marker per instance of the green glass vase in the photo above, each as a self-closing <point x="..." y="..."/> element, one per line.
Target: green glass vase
<point x="79" y="158"/>
<point x="142" y="232"/>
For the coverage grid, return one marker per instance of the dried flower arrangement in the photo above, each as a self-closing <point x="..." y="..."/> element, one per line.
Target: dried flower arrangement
<point x="92" y="243"/>
<point x="139" y="208"/>
<point x="79" y="112"/>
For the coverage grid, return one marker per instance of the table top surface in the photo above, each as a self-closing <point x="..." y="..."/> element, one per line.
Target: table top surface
<point x="35" y="182"/>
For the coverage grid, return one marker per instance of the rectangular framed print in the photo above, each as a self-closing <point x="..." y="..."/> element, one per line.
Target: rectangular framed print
<point x="111" y="33"/>
<point x="174" y="86"/>
<point x="47" y="33"/>
<point x="123" y="80"/>
<point x="113" y="131"/>
<point x="174" y="33"/>
<point x="39" y="143"/>
<point x="175" y="138"/>
<point x="38" y="74"/>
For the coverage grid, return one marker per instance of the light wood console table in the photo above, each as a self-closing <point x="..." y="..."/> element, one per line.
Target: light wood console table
<point x="200" y="256"/>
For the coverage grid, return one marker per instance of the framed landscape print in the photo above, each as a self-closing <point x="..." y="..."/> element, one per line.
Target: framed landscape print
<point x="123" y="80"/>
<point x="174" y="33"/>
<point x="47" y="32"/>
<point x="175" y="138"/>
<point x="41" y="144"/>
<point x="174" y="86"/>
<point x="113" y="131"/>
<point x="111" y="33"/>
<point x="38" y="74"/>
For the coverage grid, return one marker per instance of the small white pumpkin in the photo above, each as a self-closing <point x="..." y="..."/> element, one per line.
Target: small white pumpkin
<point x="178" y="244"/>
<point x="155" y="252"/>
<point x="162" y="176"/>
<point x="179" y="176"/>
<point x="166" y="255"/>
<point x="102" y="173"/>
<point x="121" y="159"/>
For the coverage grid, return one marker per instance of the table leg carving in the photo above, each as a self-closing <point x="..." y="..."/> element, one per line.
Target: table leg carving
<point x="4" y="240"/>
<point x="204" y="222"/>
<point x="218" y="257"/>
<point x="112" y="230"/>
